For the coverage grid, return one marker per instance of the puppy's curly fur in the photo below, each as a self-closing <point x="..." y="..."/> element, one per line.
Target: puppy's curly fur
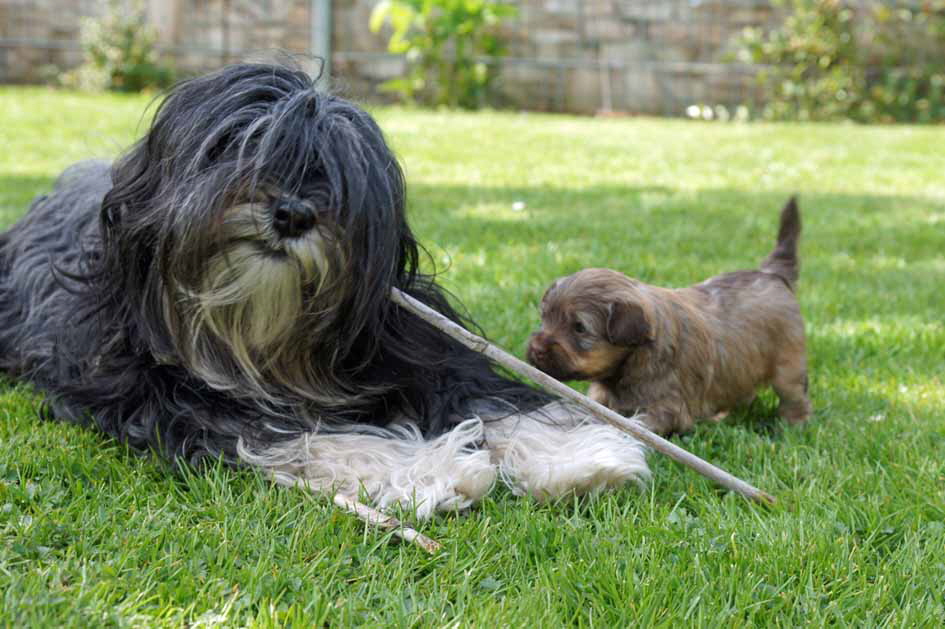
<point x="686" y="354"/>
<point x="222" y="291"/>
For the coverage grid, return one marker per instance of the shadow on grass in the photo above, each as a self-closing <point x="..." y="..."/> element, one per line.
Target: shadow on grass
<point x="862" y="245"/>
<point x="653" y="216"/>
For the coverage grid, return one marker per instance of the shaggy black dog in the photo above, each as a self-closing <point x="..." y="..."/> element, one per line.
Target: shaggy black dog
<point x="222" y="290"/>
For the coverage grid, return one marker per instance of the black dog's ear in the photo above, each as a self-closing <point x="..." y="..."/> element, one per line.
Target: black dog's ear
<point x="627" y="325"/>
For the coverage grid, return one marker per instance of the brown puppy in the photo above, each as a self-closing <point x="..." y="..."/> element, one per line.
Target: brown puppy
<point x="681" y="355"/>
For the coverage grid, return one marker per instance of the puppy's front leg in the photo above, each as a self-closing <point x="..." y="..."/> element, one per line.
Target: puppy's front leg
<point x="600" y="394"/>
<point x="657" y="396"/>
<point x="668" y="414"/>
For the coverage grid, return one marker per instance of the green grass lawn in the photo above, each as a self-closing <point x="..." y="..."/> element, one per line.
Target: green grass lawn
<point x="95" y="535"/>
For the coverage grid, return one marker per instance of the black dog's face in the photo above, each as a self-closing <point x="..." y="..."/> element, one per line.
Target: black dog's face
<point x="273" y="254"/>
<point x="264" y="220"/>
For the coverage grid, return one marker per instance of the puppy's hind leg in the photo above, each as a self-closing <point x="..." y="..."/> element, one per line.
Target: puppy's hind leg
<point x="790" y="383"/>
<point x="558" y="449"/>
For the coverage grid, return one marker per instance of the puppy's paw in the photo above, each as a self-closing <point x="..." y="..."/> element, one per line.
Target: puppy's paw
<point x="719" y="417"/>
<point x="795" y="412"/>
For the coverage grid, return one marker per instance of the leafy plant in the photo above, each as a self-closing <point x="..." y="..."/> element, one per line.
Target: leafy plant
<point x="831" y="59"/>
<point x="809" y="63"/>
<point x="910" y="44"/>
<point x="447" y="45"/>
<point x="120" y="52"/>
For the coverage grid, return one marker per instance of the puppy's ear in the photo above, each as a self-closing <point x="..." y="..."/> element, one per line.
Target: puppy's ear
<point x="627" y="325"/>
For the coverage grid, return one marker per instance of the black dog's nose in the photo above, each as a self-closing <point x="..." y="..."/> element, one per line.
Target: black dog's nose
<point x="291" y="218"/>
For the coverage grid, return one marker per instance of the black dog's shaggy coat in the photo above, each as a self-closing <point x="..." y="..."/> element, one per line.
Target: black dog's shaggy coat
<point x="85" y="275"/>
<point x="222" y="290"/>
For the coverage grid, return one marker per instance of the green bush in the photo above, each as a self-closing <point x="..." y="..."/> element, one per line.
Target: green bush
<point x="911" y="42"/>
<point x="444" y="43"/>
<point x="831" y="60"/>
<point x="120" y="52"/>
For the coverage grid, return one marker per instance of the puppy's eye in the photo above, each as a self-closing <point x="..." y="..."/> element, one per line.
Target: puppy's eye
<point x="578" y="327"/>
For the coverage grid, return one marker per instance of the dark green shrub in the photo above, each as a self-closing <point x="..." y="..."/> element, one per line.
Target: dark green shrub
<point x="445" y="43"/>
<point x="832" y="60"/>
<point x="910" y="45"/>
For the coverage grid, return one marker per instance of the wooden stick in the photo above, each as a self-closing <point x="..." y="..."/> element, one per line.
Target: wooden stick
<point x="479" y="344"/>
<point x="388" y="523"/>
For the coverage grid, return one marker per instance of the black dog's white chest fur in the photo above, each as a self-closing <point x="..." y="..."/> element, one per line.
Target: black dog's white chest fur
<point x="170" y="300"/>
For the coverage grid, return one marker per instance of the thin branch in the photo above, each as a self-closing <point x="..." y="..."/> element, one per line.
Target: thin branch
<point x="636" y="429"/>
<point x="386" y="522"/>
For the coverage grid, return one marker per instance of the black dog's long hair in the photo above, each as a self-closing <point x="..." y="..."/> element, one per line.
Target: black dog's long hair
<point x="154" y="298"/>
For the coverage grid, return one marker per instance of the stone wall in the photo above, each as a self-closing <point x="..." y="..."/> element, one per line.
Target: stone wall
<point x="210" y="33"/>
<point x="195" y="35"/>
<point x="639" y="55"/>
<point x="38" y="35"/>
<point x="563" y="55"/>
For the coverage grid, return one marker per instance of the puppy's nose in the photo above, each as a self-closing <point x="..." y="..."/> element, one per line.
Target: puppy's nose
<point x="538" y="347"/>
<point x="291" y="218"/>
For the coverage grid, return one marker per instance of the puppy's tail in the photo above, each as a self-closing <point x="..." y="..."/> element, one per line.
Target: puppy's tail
<point x="783" y="260"/>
